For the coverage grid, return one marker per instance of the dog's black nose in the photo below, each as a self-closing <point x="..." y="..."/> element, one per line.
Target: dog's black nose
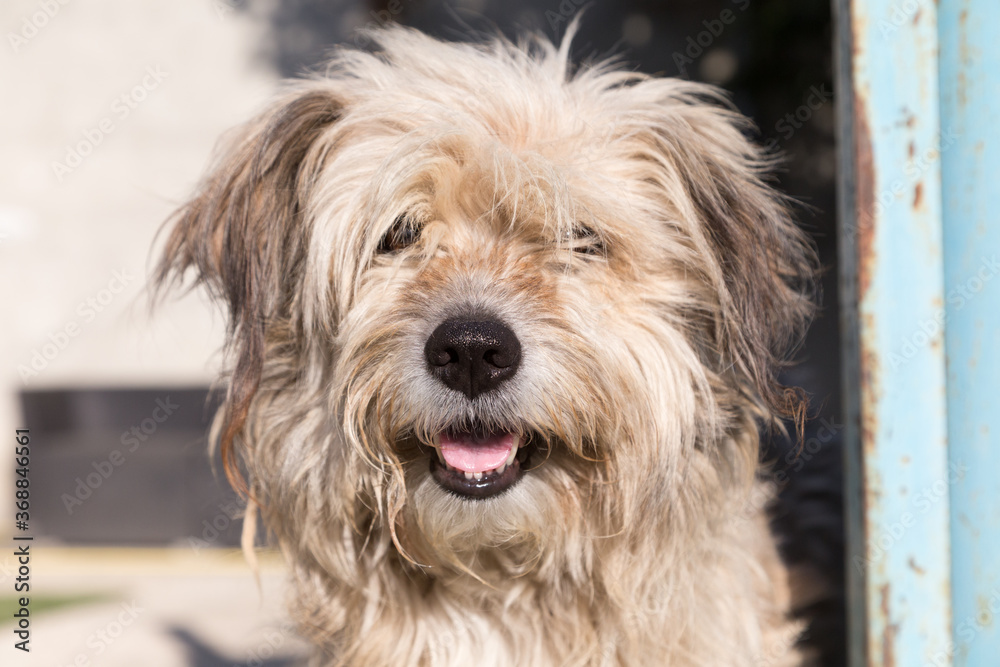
<point x="473" y="357"/>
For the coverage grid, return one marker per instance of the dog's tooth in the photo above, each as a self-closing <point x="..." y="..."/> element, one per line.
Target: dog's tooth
<point x="513" y="451"/>
<point x="477" y="475"/>
<point x="500" y="470"/>
<point x="440" y="456"/>
<point x="468" y="475"/>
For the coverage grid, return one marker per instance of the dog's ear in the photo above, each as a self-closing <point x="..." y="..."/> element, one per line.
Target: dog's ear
<point x="765" y="264"/>
<point x="242" y="235"/>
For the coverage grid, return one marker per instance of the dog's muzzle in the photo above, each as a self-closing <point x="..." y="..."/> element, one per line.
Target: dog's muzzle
<point x="474" y="357"/>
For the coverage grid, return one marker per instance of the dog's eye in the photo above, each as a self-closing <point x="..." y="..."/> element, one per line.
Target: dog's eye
<point x="584" y="241"/>
<point x="403" y="233"/>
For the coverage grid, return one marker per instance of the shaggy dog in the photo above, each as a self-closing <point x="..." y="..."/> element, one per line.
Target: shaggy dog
<point x="502" y="335"/>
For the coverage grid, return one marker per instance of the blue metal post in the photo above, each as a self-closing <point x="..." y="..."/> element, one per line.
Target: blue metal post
<point x="970" y="112"/>
<point x="893" y="295"/>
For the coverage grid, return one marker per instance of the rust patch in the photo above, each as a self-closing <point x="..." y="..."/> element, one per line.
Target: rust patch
<point x="916" y="568"/>
<point x="865" y="197"/>
<point x="869" y="425"/>
<point x="864" y="240"/>
<point x="912" y="150"/>
<point x="985" y="615"/>
<point x="889" y="635"/>
<point x="918" y="195"/>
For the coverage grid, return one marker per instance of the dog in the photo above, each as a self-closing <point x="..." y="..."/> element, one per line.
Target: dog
<point x="503" y="334"/>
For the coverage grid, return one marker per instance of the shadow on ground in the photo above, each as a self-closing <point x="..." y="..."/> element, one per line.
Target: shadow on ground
<point x="200" y="654"/>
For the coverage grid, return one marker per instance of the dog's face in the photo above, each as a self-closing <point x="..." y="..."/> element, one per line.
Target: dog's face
<point x="483" y="308"/>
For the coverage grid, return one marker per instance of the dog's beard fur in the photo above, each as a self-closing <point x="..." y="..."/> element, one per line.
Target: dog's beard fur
<point x="620" y="227"/>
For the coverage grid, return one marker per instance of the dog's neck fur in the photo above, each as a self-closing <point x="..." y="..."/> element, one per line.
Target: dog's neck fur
<point x="706" y="591"/>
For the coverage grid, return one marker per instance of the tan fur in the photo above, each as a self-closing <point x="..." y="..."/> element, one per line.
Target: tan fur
<point x="647" y="366"/>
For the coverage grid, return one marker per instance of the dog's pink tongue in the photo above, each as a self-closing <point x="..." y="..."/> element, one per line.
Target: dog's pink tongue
<point x="471" y="453"/>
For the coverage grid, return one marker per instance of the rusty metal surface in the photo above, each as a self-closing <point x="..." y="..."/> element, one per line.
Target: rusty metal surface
<point x="891" y="243"/>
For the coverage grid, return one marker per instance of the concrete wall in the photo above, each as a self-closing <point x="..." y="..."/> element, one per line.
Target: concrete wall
<point x="110" y="110"/>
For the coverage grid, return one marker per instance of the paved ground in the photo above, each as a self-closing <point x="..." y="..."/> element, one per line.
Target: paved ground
<point x="160" y="608"/>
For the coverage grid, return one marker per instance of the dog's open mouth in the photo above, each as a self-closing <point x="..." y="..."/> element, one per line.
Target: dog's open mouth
<point x="478" y="463"/>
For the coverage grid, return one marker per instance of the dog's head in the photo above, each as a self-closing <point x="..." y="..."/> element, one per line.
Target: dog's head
<point x="480" y="300"/>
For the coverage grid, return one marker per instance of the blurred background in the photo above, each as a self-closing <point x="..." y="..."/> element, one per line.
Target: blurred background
<point x="111" y="110"/>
